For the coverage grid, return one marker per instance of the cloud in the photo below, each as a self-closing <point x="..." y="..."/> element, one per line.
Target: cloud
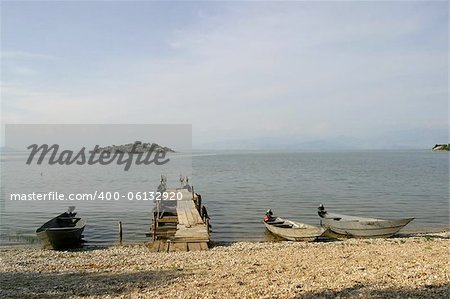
<point x="296" y="70"/>
<point x="21" y="64"/>
<point x="21" y="55"/>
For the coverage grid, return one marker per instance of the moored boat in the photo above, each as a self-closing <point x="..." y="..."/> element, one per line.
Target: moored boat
<point x="62" y="232"/>
<point x="361" y="227"/>
<point x="292" y="230"/>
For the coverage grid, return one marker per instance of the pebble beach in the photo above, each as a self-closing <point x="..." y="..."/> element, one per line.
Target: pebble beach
<point x="404" y="267"/>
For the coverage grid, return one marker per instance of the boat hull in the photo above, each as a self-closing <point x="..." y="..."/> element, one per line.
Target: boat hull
<point x="61" y="238"/>
<point x="365" y="229"/>
<point x="305" y="233"/>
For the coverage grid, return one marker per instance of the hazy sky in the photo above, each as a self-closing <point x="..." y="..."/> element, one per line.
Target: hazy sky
<point x="284" y="71"/>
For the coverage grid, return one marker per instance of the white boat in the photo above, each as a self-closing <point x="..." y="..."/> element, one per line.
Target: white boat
<point x="362" y="227"/>
<point x="292" y="230"/>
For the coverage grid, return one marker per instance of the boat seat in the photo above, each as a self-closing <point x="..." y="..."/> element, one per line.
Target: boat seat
<point x="70" y="220"/>
<point x="284" y="225"/>
<point x="274" y="222"/>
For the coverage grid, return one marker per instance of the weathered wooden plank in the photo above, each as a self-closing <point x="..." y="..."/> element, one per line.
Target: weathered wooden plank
<point x="166" y="228"/>
<point x="171" y="247"/>
<point x="165" y="247"/>
<point x="190" y="218"/>
<point x="180" y="246"/>
<point x="168" y="219"/>
<point x="192" y="237"/>
<point x="182" y="218"/>
<point x="181" y="213"/>
<point x="197" y="229"/>
<point x="196" y="216"/>
<point x="193" y="233"/>
<point x="204" y="246"/>
<point x="194" y="246"/>
<point x="204" y="238"/>
<point x="188" y="241"/>
<point x="165" y="234"/>
<point x="187" y="207"/>
<point x="155" y="246"/>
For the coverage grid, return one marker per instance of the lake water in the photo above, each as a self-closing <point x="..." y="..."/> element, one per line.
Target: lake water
<point x="238" y="187"/>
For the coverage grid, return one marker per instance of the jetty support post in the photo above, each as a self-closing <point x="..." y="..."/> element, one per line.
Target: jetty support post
<point x="120" y="232"/>
<point x="154" y="224"/>
<point x="199" y="205"/>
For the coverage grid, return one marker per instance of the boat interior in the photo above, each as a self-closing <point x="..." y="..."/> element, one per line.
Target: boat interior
<point x="65" y="220"/>
<point x="277" y="222"/>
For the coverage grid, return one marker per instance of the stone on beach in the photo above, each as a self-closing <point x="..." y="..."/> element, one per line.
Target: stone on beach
<point x="415" y="267"/>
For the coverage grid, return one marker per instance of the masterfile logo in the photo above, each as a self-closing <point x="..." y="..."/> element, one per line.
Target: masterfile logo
<point x="98" y="155"/>
<point x="115" y="164"/>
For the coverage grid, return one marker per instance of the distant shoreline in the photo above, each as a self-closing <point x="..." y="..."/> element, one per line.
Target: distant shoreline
<point x="441" y="147"/>
<point x="136" y="147"/>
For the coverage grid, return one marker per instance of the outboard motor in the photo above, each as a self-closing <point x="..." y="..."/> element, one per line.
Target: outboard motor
<point x="268" y="216"/>
<point x="321" y="210"/>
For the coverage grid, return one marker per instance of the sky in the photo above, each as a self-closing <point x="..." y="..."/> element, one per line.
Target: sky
<point x="245" y="74"/>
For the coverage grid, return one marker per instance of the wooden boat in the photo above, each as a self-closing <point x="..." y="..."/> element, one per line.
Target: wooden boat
<point x="361" y="227"/>
<point x="292" y="230"/>
<point x="63" y="231"/>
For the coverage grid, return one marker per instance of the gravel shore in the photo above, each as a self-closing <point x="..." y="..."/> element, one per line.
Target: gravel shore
<point x="414" y="267"/>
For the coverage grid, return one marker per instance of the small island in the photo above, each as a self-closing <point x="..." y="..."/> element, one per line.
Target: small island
<point x="136" y="147"/>
<point x="441" y="147"/>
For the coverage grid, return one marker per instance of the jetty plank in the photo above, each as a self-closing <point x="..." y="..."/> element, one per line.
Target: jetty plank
<point x="172" y="247"/>
<point x="168" y="219"/>
<point x="195" y="232"/>
<point x="166" y="228"/>
<point x="165" y="247"/>
<point x="180" y="246"/>
<point x="182" y="218"/>
<point x="194" y="246"/>
<point x="155" y="246"/>
<point x="196" y="216"/>
<point x="184" y="208"/>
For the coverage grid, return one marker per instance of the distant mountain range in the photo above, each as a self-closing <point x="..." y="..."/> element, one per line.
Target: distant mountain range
<point x="401" y="139"/>
<point x="137" y="147"/>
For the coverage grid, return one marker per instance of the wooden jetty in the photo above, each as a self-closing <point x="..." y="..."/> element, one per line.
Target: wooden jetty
<point x="182" y="224"/>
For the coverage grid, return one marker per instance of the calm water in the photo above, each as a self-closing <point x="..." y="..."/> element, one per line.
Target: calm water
<point x="238" y="187"/>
